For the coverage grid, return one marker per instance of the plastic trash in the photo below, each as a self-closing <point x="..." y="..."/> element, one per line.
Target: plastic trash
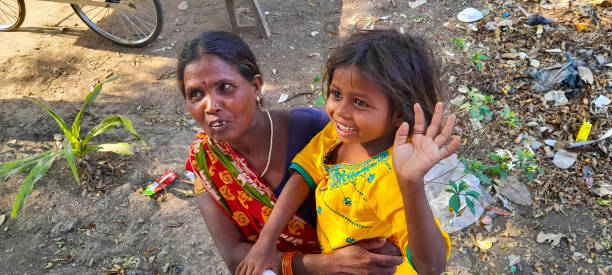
<point x="550" y="77"/>
<point x="564" y="159"/>
<point x="491" y="26"/>
<point x="600" y="104"/>
<point x="557" y="96"/>
<point x="587" y="175"/>
<point x="584" y="131"/>
<point x="538" y="19"/>
<point x="469" y="15"/>
<point x="436" y="182"/>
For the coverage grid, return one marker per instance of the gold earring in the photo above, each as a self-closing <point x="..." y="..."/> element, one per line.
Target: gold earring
<point x="258" y="99"/>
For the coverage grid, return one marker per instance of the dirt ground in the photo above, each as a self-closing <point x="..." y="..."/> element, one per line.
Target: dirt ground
<point x="107" y="226"/>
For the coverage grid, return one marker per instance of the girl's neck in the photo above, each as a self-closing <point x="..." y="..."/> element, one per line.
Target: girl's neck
<point x="353" y="153"/>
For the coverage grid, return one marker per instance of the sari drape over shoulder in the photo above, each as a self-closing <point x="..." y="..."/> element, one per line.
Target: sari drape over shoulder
<point x="242" y="194"/>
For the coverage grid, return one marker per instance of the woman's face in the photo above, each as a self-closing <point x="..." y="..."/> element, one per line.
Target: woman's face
<point x="219" y="98"/>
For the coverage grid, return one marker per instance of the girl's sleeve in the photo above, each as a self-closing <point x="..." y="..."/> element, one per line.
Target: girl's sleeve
<point x="309" y="161"/>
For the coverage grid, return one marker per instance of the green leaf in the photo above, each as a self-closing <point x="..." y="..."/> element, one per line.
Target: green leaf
<point x="91" y="97"/>
<point x="503" y="174"/>
<point x="39" y="170"/>
<point x="110" y="123"/>
<point x="312" y="87"/>
<point x="17" y="166"/>
<point x="320" y="100"/>
<point x="60" y="121"/>
<point x="449" y="190"/>
<point x="470" y="205"/>
<point x="122" y="148"/>
<point x="316" y="79"/>
<point x="128" y="126"/>
<point x="455" y="203"/>
<point x="473" y="194"/>
<point x="70" y="158"/>
<point x="453" y="185"/>
<point x="493" y="157"/>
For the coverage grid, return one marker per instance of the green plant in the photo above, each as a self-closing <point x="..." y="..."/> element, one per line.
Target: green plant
<point x="460" y="44"/>
<point x="503" y="163"/>
<point x="461" y="190"/>
<point x="477" y="60"/>
<point x="477" y="169"/>
<point x="509" y="117"/>
<point x="527" y="162"/>
<point x="73" y="147"/>
<point x="322" y="95"/>
<point x="478" y="104"/>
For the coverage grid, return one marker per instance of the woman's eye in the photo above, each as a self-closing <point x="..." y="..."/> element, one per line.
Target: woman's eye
<point x="361" y="103"/>
<point x="225" y="86"/>
<point x="196" y="94"/>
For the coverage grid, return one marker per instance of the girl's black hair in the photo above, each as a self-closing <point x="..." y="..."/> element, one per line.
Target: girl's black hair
<point x="401" y="64"/>
<point x="226" y="45"/>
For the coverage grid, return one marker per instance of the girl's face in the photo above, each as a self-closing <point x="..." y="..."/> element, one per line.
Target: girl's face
<point x="219" y="98"/>
<point x="358" y="108"/>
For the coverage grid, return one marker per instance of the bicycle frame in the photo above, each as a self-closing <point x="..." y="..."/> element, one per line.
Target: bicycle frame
<point x="119" y="6"/>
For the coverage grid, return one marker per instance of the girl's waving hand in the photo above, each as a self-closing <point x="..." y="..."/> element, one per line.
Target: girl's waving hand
<point x="412" y="160"/>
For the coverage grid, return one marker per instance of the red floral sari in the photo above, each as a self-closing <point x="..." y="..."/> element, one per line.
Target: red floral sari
<point x="242" y="194"/>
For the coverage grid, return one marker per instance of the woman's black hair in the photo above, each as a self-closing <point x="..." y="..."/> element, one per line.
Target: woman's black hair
<point x="226" y="45"/>
<point x="400" y="64"/>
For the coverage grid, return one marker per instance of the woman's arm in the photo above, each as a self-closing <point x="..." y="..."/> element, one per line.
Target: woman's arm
<point x="259" y="259"/>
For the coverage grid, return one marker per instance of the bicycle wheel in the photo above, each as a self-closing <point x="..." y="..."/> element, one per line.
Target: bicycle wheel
<point x="132" y="23"/>
<point x="12" y="13"/>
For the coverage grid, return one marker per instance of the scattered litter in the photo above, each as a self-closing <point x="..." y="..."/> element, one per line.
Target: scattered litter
<point x="473" y="27"/>
<point x="476" y="125"/>
<point x="515" y="191"/>
<point x="162" y="49"/>
<point x="586" y="74"/>
<point x="282" y="98"/>
<point x="534" y="63"/>
<point x="514" y="260"/>
<point x="582" y="26"/>
<point x="498" y="211"/>
<point x="274" y="71"/>
<point x="538" y="19"/>
<point x="557" y="96"/>
<point x="491" y="26"/>
<point x="548" y="78"/>
<point x="436" y="180"/>
<point x="416" y="4"/>
<point x="314" y="33"/>
<point x="487" y="220"/>
<point x="507" y="89"/>
<point x="469" y="15"/>
<point x="555" y="50"/>
<point x="505" y="23"/>
<point x="587" y="176"/>
<point x="484" y="244"/>
<point x="504" y="201"/>
<point x="549" y="153"/>
<point x="457" y="100"/>
<point x="190" y="176"/>
<point x="583" y="132"/>
<point x="58" y="137"/>
<point x="564" y="159"/>
<point x="552" y="238"/>
<point x="2" y="218"/>
<point x="601" y="101"/>
<point x="160" y="183"/>
<point x="314" y="55"/>
<point x="504" y="15"/>
<point x="531" y="142"/>
<point x="183" y="6"/>
<point x="577" y="256"/>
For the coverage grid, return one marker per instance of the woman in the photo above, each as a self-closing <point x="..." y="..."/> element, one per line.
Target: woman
<point x="241" y="160"/>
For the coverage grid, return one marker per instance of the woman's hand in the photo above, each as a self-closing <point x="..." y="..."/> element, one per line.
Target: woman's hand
<point x="359" y="258"/>
<point x="260" y="258"/>
<point x="412" y="160"/>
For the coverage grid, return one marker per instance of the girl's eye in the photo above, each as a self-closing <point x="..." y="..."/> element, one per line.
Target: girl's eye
<point x="360" y="103"/>
<point x="336" y="94"/>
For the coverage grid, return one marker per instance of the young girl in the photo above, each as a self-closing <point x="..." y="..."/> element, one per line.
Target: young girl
<point x="367" y="165"/>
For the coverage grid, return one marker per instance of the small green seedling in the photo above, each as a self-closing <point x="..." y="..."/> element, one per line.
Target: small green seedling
<point x="527" y="161"/>
<point x="478" y="105"/>
<point x="454" y="203"/>
<point x="477" y="60"/>
<point x="460" y="44"/>
<point x="74" y="147"/>
<point x="477" y="169"/>
<point x="509" y="117"/>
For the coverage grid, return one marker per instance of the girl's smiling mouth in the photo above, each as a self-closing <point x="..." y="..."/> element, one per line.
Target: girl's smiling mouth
<point x="344" y="130"/>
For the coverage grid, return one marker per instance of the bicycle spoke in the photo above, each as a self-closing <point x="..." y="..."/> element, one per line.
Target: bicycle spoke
<point x="136" y="26"/>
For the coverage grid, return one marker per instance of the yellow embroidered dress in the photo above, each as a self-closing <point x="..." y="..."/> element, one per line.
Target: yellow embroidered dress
<point x="355" y="201"/>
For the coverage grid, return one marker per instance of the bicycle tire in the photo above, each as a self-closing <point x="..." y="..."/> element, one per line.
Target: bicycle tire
<point x="11" y="16"/>
<point x="114" y="23"/>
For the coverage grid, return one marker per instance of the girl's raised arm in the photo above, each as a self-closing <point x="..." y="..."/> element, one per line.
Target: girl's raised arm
<point x="411" y="161"/>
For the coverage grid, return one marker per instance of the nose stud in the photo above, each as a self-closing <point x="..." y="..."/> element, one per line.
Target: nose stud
<point x="217" y="105"/>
